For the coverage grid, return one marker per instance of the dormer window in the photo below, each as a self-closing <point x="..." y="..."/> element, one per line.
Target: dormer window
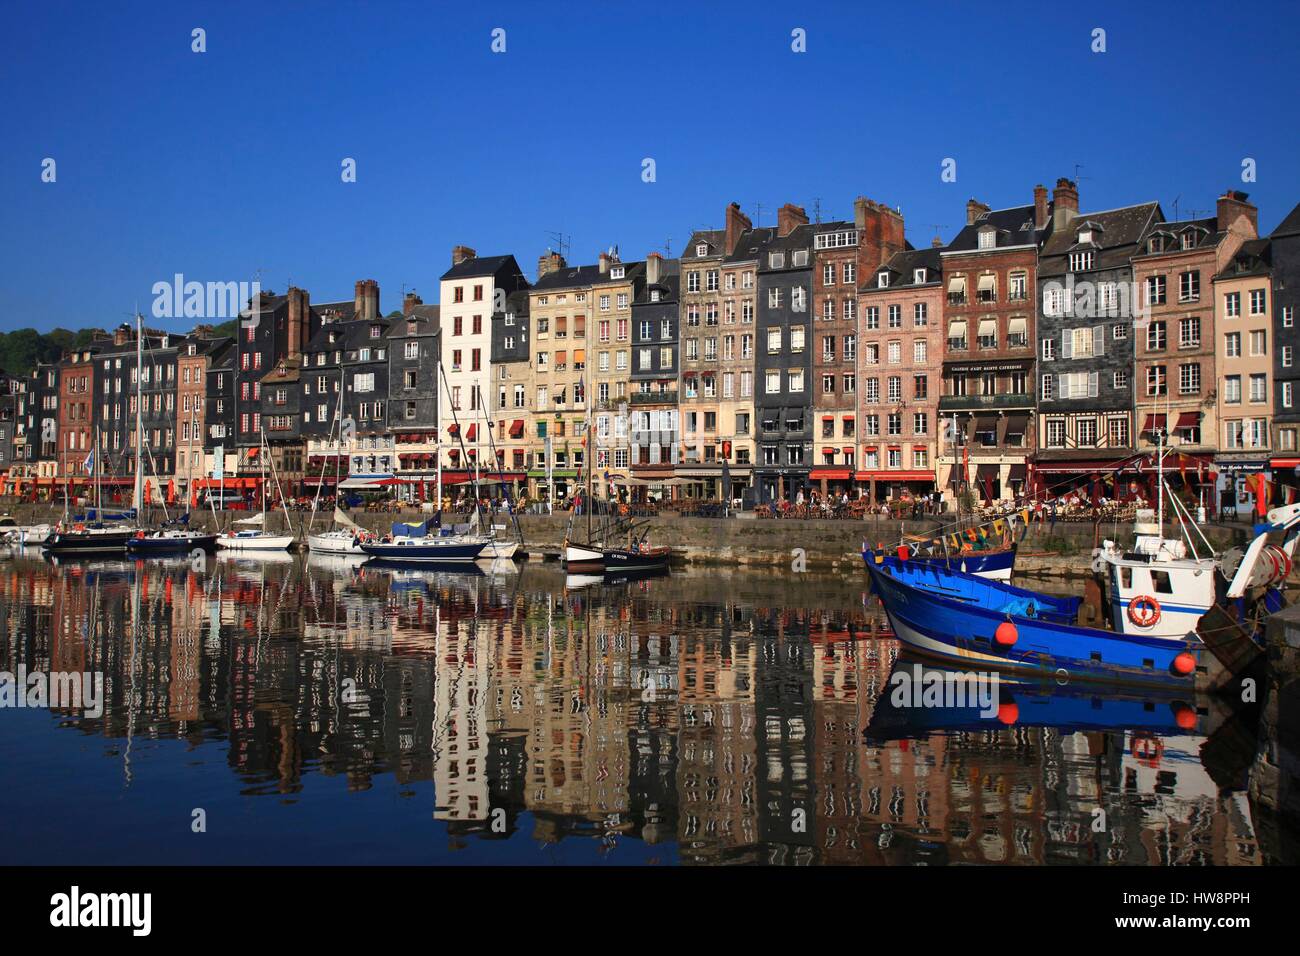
<point x="375" y="331"/>
<point x="616" y="272"/>
<point x="1085" y="235"/>
<point x="1080" y="261"/>
<point x="654" y="295"/>
<point x="987" y="239"/>
<point x="1189" y="240"/>
<point x="776" y="260"/>
<point x="1156" y="244"/>
<point x="702" y="250"/>
<point x="882" y="280"/>
<point x="800" y="257"/>
<point x="918" y="276"/>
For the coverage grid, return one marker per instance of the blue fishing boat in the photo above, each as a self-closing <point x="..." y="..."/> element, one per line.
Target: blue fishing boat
<point x="1005" y="598"/>
<point x="979" y="623"/>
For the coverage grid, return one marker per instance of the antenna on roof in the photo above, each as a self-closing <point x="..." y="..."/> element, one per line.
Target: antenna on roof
<point x="562" y="242"/>
<point x="668" y="248"/>
<point x="817" y="210"/>
<point x="758" y="214"/>
<point x="1176" y="198"/>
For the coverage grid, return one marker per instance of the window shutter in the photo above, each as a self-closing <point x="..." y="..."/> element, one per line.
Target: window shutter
<point x="1099" y="340"/>
<point x="1067" y="344"/>
<point x="1092" y="384"/>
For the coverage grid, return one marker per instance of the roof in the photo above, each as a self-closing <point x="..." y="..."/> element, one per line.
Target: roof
<point x="425" y="318"/>
<point x="669" y="286"/>
<point x="1116" y="235"/>
<point x="345" y="310"/>
<point x="1209" y="227"/>
<point x="902" y="268"/>
<point x="568" y="277"/>
<point x="1254" y="258"/>
<point x="480" y="266"/>
<point x="714" y="238"/>
<point x="750" y="244"/>
<point x="292" y="371"/>
<point x="1015" y="226"/>
<point x="1290" y="226"/>
<point x="351" y="334"/>
<point x="631" y="271"/>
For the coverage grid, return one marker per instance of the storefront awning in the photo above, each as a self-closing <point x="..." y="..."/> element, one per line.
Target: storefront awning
<point x="1018" y="473"/>
<point x="517" y="428"/>
<point x="472" y="434"/>
<point x="830" y="474"/>
<point x="1016" y="423"/>
<point x="1188" y="419"/>
<point x="895" y="475"/>
<point x="1153" y="422"/>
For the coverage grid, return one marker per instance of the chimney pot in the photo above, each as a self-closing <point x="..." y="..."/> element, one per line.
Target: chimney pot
<point x="1065" y="203"/>
<point x="460" y="253"/>
<point x="1040" y="206"/>
<point x="974" y="209"/>
<point x="789" y="217"/>
<point x="736" y="225"/>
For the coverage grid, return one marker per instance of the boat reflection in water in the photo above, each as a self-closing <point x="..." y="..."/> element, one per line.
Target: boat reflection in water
<point x="349" y="711"/>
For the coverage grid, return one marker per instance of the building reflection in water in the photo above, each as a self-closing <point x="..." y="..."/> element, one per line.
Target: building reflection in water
<point x="724" y="714"/>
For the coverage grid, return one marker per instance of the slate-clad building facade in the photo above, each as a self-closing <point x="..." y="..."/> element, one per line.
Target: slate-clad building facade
<point x="653" y="429"/>
<point x="1284" y="241"/>
<point x="783" y="366"/>
<point x="1085" y="350"/>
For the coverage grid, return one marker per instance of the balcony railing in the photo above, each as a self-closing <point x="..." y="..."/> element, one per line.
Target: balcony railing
<point x="651" y="398"/>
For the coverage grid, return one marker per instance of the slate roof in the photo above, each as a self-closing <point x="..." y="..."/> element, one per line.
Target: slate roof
<point x="1254" y="258"/>
<point x="750" y="244"/>
<point x="1015" y="226"/>
<point x="569" y="277"/>
<point x="902" y="268"/>
<point x="716" y="239"/>
<point x="800" y="237"/>
<point x="1290" y="226"/>
<point x="342" y="311"/>
<point x="1117" y="235"/>
<point x="630" y="272"/>
<point x="1209" y="228"/>
<point x="480" y="266"/>
<point x="426" y="319"/>
<point x="669" y="285"/>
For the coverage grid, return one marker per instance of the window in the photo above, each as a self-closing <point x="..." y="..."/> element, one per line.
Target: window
<point x="1119" y="379"/>
<point x="1232" y="389"/>
<point x="1156" y="336"/>
<point x="1286" y="356"/>
<point x="1288" y="394"/>
<point x="1232" y="344"/>
<point x="1259" y="343"/>
<point x="1085" y="432"/>
<point x="1049" y="350"/>
<point x="1258" y="304"/>
<point x="920" y="314"/>
<point x="1157" y="381"/>
<point x="1081" y="261"/>
<point x="1189" y="331"/>
<point x="1047" y="388"/>
<point x="987" y="239"/>
<point x="1016" y="285"/>
<point x="1288" y="320"/>
<point x="1258" y="388"/>
<point x="1189" y="286"/>
<point x="1117" y="432"/>
<point x="1232" y="305"/>
<point x="1055" y="428"/>
<point x="1155" y="288"/>
<point x="1189" y="379"/>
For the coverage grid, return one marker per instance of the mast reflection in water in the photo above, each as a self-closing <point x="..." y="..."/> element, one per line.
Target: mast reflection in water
<point x="332" y="713"/>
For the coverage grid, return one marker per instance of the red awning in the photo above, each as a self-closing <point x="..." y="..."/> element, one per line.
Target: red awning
<point x="517" y="428"/>
<point x="894" y="475"/>
<point x="252" y="452"/>
<point x="1188" y="419"/>
<point x="473" y="432"/>
<point x="1286" y="462"/>
<point x="830" y="474"/>
<point x="453" y="452"/>
<point x="453" y="430"/>
<point x="1154" y="422"/>
<point x="828" y="452"/>
<point x="849" y="449"/>
<point x="828" y="418"/>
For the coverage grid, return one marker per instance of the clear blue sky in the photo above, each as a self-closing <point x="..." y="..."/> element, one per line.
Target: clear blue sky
<point x="217" y="164"/>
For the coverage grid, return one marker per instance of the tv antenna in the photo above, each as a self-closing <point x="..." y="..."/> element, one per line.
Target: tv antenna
<point x="758" y="214"/>
<point x="817" y="210"/>
<point x="562" y="243"/>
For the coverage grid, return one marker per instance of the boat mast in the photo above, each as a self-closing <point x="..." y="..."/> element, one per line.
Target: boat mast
<point x="137" y="498"/>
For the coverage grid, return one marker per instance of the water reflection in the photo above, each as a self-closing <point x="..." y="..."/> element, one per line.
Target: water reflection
<point x="706" y="717"/>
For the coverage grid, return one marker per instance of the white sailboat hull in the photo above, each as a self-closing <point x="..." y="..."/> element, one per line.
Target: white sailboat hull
<point x="333" y="543"/>
<point x="503" y="550"/>
<point x="261" y="542"/>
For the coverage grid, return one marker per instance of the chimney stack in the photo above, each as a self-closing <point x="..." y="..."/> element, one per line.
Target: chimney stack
<point x="121" y="335"/>
<point x="551" y="262"/>
<point x="298" y="321"/>
<point x="880" y="233"/>
<point x="654" y="264"/>
<point x="1065" y="203"/>
<point x="936" y="243"/>
<point x="460" y="253"/>
<point x="604" y="263"/>
<point x="737" y="223"/>
<point x="1040" y="206"/>
<point x="410" y="302"/>
<point x="974" y="209"/>
<point x="788" y="218"/>
<point x="1232" y="206"/>
<point x="365" y="303"/>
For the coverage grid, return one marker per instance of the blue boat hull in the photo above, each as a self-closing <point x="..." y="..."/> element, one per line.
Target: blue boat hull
<point x="455" y="553"/>
<point x="996" y="565"/>
<point x="988" y="593"/>
<point x="947" y="630"/>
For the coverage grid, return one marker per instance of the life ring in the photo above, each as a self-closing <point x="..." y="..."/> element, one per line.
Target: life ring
<point x="1144" y="610"/>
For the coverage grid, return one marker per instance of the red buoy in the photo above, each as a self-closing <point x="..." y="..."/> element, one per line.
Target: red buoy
<point x="1184" y="717"/>
<point x="1184" y="664"/>
<point x="1009" y="712"/>
<point x="1006" y="634"/>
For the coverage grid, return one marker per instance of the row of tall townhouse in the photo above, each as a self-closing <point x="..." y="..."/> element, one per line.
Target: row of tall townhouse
<point x="1043" y="349"/>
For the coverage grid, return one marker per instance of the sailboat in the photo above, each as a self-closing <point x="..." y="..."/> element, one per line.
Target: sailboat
<point x="253" y="535"/>
<point x="344" y="538"/>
